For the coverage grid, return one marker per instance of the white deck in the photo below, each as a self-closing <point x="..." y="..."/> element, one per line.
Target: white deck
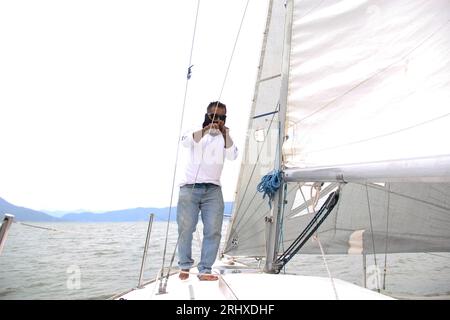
<point x="248" y="285"/>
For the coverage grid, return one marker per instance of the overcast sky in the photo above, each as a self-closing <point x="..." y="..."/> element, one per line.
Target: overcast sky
<point x="91" y="94"/>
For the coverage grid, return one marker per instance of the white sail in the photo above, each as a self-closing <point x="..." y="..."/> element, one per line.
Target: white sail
<point x="248" y="228"/>
<point x="369" y="82"/>
<point x="390" y="218"/>
<point x="369" y="90"/>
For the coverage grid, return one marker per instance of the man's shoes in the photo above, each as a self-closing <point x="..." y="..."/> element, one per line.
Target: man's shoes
<point x="208" y="277"/>
<point x="184" y="274"/>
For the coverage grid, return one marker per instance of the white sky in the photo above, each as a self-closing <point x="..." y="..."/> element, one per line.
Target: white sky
<point x="91" y="96"/>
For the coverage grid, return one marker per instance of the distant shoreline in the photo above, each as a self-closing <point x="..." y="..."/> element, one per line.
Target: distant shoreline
<point x="126" y="215"/>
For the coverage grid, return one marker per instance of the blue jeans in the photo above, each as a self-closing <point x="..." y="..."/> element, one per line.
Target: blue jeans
<point x="208" y="200"/>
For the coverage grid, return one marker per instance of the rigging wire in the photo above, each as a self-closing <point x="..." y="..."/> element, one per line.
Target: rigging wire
<point x="305" y="206"/>
<point x="188" y="77"/>
<point x="316" y="237"/>
<point x="387" y="235"/>
<point x="47" y="228"/>
<point x="304" y="198"/>
<point x="282" y="225"/>
<point x="75" y="232"/>
<point x="315" y="199"/>
<point x="170" y="266"/>
<point x="184" y="103"/>
<point x="314" y="204"/>
<point x="234" y="49"/>
<point x="434" y="205"/>
<point x="373" y="238"/>
<point x="230" y="61"/>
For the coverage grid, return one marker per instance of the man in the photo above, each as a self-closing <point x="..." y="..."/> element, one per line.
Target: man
<point x="200" y="190"/>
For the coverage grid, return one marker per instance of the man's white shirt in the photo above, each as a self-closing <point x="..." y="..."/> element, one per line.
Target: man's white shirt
<point x="205" y="158"/>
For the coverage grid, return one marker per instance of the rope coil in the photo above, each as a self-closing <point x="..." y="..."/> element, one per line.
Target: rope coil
<point x="269" y="185"/>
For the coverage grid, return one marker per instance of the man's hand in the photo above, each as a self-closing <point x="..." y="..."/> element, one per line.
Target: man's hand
<point x="198" y="135"/>
<point x="223" y="129"/>
<point x="210" y="126"/>
<point x="226" y="136"/>
<point x="219" y="125"/>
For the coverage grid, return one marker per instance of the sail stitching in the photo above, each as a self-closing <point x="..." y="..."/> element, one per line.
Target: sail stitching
<point x="270" y="78"/>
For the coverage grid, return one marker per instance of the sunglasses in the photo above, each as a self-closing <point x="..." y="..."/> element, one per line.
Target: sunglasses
<point x="215" y="117"/>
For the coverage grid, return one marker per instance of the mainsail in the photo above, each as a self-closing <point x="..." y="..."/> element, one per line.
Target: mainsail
<point x="368" y="94"/>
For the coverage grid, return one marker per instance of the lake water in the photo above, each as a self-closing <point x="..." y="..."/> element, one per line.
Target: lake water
<point x="99" y="260"/>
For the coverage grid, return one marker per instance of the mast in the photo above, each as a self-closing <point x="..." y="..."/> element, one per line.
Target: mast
<point x="273" y="225"/>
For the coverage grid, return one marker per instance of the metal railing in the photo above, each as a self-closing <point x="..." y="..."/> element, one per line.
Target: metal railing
<point x="144" y="256"/>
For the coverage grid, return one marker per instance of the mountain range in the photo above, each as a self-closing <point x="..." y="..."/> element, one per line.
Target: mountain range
<point x="125" y="215"/>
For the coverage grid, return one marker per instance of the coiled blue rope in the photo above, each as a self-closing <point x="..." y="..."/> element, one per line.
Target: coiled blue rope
<point x="270" y="184"/>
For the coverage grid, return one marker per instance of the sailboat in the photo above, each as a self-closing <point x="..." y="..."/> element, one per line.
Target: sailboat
<point x="350" y="113"/>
